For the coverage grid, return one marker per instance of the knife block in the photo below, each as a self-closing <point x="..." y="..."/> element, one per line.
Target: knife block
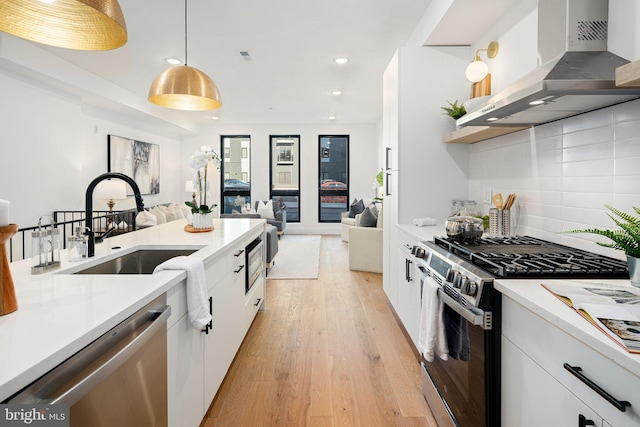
<point x="8" y="301"/>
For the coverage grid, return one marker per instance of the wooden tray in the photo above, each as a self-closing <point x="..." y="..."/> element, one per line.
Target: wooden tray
<point x="189" y="229"/>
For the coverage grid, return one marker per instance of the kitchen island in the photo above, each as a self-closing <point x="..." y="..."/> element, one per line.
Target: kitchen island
<point x="60" y="313"/>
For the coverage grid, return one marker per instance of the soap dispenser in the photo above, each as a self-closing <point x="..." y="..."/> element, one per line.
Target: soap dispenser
<point x="77" y="245"/>
<point x="45" y="248"/>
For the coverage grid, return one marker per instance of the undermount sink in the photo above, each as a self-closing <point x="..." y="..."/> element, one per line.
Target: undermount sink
<point x="142" y="261"/>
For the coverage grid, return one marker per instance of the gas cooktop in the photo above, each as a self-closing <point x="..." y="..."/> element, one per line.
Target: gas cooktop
<point x="529" y="257"/>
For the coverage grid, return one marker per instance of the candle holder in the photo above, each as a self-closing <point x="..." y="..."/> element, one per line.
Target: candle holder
<point x="8" y="301"/>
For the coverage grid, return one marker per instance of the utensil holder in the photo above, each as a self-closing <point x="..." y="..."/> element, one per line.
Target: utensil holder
<point x="505" y="223"/>
<point x="8" y="301"/>
<point x="494" y="224"/>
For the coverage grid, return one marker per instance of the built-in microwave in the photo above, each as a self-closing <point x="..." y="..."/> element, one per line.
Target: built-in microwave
<point x="255" y="262"/>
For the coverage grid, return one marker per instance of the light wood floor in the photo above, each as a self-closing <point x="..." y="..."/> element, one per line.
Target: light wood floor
<point x="326" y="352"/>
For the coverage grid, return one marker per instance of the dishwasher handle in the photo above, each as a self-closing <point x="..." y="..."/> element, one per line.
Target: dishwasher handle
<point x="77" y="391"/>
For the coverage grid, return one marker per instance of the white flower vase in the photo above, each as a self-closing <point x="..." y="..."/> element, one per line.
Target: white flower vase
<point x="202" y="221"/>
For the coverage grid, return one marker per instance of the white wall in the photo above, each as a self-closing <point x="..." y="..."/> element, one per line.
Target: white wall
<point x="364" y="163"/>
<point x="51" y="148"/>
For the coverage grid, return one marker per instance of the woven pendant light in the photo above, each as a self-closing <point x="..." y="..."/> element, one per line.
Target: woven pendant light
<point x="185" y="88"/>
<point x="71" y="24"/>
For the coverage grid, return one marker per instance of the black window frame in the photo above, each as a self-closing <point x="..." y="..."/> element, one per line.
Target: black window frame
<point x="298" y="192"/>
<point x="320" y="179"/>
<point x="243" y="193"/>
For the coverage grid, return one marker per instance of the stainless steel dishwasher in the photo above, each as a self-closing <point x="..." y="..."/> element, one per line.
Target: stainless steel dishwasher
<point x="120" y="379"/>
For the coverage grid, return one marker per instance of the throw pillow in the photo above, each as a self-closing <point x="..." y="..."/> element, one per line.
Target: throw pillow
<point x="356" y="207"/>
<point x="177" y="211"/>
<point x="368" y="218"/>
<point x="265" y="210"/>
<point x="146" y="219"/>
<point x="160" y="216"/>
<point x="168" y="217"/>
<point x="379" y="223"/>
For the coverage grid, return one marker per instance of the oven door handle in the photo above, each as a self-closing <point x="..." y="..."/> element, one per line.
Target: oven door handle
<point x="474" y="319"/>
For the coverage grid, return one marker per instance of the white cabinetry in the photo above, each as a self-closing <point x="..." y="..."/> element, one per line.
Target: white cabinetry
<point x="423" y="174"/>
<point x="537" y="388"/>
<point x="199" y="360"/>
<point x="408" y="284"/>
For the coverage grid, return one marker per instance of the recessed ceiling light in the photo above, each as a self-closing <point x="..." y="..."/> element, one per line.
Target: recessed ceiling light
<point x="538" y="102"/>
<point x="332" y="117"/>
<point x="173" y="61"/>
<point x="336" y="92"/>
<point x="341" y="60"/>
<point x="492" y="119"/>
<point x="215" y="117"/>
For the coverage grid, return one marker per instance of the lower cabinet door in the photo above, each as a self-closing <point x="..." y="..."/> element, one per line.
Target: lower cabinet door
<point x="224" y="339"/>
<point x="532" y="398"/>
<point x="184" y="375"/>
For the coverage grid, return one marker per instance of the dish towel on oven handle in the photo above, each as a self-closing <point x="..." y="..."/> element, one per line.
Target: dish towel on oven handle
<point x="457" y="331"/>
<point x="197" y="302"/>
<point x="432" y="338"/>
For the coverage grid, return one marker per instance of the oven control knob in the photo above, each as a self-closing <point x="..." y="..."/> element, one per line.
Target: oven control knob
<point x="470" y="288"/>
<point x="451" y="277"/>
<point x="464" y="285"/>
<point x="457" y="281"/>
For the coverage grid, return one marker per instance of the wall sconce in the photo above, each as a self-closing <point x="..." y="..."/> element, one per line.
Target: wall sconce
<point x="478" y="70"/>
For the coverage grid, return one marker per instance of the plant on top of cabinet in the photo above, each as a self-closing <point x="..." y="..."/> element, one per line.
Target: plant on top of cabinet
<point x="454" y="110"/>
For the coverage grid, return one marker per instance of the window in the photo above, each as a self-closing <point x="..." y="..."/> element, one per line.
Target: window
<point x="285" y="173"/>
<point x="236" y="170"/>
<point x="333" y="185"/>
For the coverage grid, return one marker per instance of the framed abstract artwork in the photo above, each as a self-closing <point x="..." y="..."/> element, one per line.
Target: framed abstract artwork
<point x="137" y="159"/>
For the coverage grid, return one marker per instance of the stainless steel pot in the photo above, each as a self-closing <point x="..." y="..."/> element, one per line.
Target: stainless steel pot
<point x="463" y="228"/>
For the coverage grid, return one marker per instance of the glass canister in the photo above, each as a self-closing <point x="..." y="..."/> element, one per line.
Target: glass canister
<point x="469" y="208"/>
<point x="77" y="245"/>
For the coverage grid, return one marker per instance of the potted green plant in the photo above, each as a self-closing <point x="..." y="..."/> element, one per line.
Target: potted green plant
<point x="454" y="110"/>
<point x="626" y="239"/>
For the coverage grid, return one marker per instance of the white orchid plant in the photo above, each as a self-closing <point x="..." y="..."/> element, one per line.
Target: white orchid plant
<point x="199" y="161"/>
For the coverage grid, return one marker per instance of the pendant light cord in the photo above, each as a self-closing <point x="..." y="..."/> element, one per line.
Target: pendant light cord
<point x="185" y="33"/>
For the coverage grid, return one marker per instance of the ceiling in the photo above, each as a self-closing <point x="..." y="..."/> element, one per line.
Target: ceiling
<point x="292" y="44"/>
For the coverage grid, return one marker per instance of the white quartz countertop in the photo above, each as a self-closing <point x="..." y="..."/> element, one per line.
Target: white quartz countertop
<point x="58" y="313"/>
<point x="424" y="233"/>
<point x="531" y="295"/>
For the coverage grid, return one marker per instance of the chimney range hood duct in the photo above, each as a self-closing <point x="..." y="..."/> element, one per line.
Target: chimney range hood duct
<point x="577" y="75"/>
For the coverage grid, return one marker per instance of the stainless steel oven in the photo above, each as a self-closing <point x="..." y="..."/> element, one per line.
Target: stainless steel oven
<point x="255" y="262"/>
<point x="464" y="389"/>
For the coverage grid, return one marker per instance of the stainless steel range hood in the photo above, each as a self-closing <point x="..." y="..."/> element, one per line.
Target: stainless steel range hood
<point x="577" y="75"/>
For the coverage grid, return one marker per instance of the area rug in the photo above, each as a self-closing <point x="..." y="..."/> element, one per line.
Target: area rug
<point x="298" y="257"/>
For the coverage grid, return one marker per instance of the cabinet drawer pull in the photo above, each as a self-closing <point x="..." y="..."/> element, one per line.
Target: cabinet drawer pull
<point x="584" y="422"/>
<point x="239" y="269"/>
<point x="258" y="302"/>
<point x="240" y="252"/>
<point x="209" y="325"/>
<point x="620" y="405"/>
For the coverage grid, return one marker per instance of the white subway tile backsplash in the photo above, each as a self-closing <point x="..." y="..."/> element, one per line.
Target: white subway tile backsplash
<point x="627" y="130"/>
<point x="590" y="136"/>
<point x="588" y="168"/>
<point x="564" y="173"/>
<point x="598" y="151"/>
<point x="592" y="120"/>
<point x="627" y="111"/>
<point x="628" y="166"/>
<point x="628" y="147"/>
